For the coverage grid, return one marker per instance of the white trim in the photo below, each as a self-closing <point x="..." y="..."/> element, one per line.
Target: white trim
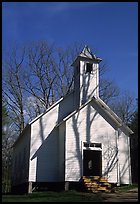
<point x="97" y="101"/>
<point x="92" y="148"/>
<point x="114" y="115"/>
<point x="46" y="111"/>
<point x="88" y="148"/>
<point x="82" y="158"/>
<point x="118" y="165"/>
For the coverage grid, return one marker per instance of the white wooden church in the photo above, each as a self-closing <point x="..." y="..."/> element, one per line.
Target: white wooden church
<point x="77" y="136"/>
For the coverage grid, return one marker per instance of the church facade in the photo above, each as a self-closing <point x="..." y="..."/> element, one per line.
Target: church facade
<point x="77" y="136"/>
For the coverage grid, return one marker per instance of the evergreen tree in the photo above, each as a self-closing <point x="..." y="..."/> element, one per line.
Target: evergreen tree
<point x="134" y="147"/>
<point x="4" y="120"/>
<point x="6" y="151"/>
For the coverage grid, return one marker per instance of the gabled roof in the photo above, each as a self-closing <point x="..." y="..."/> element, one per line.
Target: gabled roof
<point x="119" y="123"/>
<point x="73" y="113"/>
<point x="114" y="116"/>
<point x="21" y="134"/>
<point x="39" y="116"/>
<point x="57" y="102"/>
<point x="52" y="106"/>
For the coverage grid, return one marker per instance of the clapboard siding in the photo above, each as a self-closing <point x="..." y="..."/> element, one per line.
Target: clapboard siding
<point x="55" y="138"/>
<point x="44" y="143"/>
<point x="44" y="154"/>
<point x="124" y="159"/>
<point x="20" y="167"/>
<point x="89" y="82"/>
<point x="88" y="126"/>
<point x="61" y="146"/>
<point x="86" y="85"/>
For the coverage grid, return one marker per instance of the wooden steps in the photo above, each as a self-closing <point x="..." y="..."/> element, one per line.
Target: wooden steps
<point x="96" y="184"/>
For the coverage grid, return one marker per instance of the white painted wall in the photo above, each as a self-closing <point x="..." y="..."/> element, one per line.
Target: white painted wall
<point x="124" y="159"/>
<point x="44" y="153"/>
<point x="61" y="146"/>
<point x="89" y="83"/>
<point x="88" y="126"/>
<point x="20" y="167"/>
<point x="50" y="145"/>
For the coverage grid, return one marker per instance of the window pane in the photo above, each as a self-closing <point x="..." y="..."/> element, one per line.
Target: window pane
<point x="95" y="144"/>
<point x="86" y="144"/>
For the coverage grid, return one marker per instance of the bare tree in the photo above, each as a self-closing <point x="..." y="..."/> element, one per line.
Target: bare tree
<point x="40" y="79"/>
<point x="6" y="150"/>
<point x="124" y="106"/>
<point x="50" y="75"/>
<point x="108" y="90"/>
<point x="64" y="70"/>
<point x="12" y="88"/>
<point x="40" y="76"/>
<point x="36" y="77"/>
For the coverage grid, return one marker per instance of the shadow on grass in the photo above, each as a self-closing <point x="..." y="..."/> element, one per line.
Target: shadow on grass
<point x="70" y="196"/>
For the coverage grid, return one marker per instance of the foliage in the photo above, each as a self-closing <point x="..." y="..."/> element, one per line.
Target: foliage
<point x="6" y="151"/>
<point x="134" y="147"/>
<point x="134" y="123"/>
<point x="4" y="120"/>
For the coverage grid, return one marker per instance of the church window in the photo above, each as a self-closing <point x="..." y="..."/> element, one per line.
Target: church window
<point x="88" y="68"/>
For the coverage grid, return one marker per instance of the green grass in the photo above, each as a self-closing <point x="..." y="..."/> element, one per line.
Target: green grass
<point x="70" y="196"/>
<point x="125" y="188"/>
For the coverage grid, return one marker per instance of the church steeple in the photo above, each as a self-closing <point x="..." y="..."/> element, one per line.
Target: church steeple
<point x="86" y="76"/>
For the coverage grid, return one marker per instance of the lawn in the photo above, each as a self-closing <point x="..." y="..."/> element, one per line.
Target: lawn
<point x="125" y="188"/>
<point x="70" y="196"/>
<point x="63" y="196"/>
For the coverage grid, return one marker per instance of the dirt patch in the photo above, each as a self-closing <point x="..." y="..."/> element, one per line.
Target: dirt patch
<point x="129" y="196"/>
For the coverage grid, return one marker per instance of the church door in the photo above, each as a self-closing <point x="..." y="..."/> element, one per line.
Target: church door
<point x="92" y="163"/>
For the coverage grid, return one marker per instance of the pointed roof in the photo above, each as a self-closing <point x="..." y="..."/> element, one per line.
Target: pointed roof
<point x="86" y="53"/>
<point x="106" y="111"/>
<point x="98" y="102"/>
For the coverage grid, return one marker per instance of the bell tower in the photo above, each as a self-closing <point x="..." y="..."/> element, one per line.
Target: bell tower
<point x="86" y="76"/>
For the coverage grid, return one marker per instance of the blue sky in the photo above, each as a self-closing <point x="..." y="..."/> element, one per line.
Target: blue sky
<point x="110" y="28"/>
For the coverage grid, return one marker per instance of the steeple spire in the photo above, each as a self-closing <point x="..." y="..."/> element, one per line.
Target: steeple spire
<point x="86" y="52"/>
<point x="86" y="76"/>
